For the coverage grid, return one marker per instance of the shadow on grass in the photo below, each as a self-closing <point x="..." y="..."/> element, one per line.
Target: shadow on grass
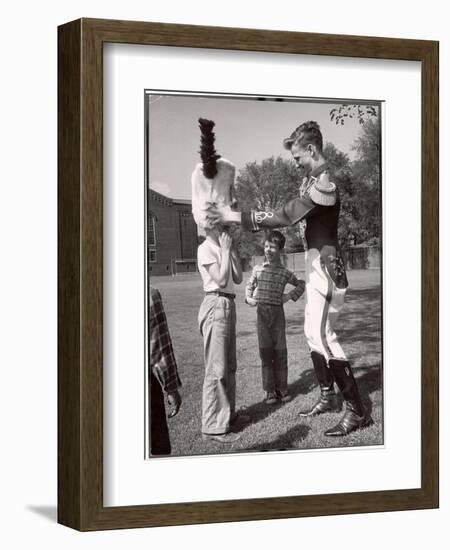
<point x="284" y="442"/>
<point x="368" y="383"/>
<point x="360" y="320"/>
<point x="305" y="384"/>
<point x="246" y="333"/>
<point x="259" y="411"/>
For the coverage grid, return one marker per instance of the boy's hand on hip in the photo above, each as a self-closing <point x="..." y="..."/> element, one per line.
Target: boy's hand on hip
<point x="286" y="298"/>
<point x="251" y="302"/>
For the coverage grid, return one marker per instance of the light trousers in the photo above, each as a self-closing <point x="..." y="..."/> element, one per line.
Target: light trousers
<point x="217" y="323"/>
<point x="324" y="302"/>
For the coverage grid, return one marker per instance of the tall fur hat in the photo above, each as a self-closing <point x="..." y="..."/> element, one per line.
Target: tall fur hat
<point x="207" y="151"/>
<point x="212" y="180"/>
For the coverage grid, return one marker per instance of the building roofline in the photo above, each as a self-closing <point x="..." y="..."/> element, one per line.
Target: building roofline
<point x="182" y="201"/>
<point x="170" y="199"/>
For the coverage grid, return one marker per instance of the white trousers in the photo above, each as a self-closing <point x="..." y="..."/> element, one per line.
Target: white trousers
<point x="324" y="302"/>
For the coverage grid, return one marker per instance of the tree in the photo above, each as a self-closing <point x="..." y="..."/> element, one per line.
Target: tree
<point x="365" y="174"/>
<point x="367" y="171"/>
<point x="341" y="174"/>
<point x="368" y="148"/>
<point x="359" y="189"/>
<point x="263" y="186"/>
<point x="361" y="112"/>
<point x="268" y="184"/>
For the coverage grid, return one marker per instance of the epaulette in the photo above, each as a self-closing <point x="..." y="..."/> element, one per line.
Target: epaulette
<point x="322" y="191"/>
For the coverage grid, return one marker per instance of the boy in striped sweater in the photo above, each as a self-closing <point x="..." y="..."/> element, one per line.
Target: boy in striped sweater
<point x="265" y="290"/>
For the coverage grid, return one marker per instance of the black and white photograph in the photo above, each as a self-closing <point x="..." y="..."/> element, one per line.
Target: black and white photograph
<point x="264" y="273"/>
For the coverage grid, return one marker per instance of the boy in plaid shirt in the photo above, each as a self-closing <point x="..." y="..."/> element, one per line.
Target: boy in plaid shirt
<point x="265" y="289"/>
<point x="163" y="376"/>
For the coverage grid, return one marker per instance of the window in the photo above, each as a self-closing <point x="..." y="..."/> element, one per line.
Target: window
<point x="151" y="230"/>
<point x="152" y="256"/>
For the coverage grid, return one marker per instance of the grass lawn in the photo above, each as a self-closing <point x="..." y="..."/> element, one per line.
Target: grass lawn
<point x="275" y="427"/>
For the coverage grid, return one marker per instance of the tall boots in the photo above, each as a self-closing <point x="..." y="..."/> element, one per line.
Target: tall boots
<point x="338" y="371"/>
<point x="355" y="416"/>
<point x="327" y="401"/>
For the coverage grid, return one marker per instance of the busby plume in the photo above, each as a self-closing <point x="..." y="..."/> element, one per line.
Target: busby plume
<point x="207" y="151"/>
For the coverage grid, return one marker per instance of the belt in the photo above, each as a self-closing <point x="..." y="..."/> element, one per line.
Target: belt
<point x="223" y="294"/>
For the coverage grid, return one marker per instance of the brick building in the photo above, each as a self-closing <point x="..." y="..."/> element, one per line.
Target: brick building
<point x="172" y="235"/>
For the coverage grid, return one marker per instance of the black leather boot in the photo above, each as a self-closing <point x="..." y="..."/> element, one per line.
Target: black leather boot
<point x="328" y="401"/>
<point x="355" y="416"/>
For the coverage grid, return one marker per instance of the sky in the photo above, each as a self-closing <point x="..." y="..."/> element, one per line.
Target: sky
<point x="246" y="130"/>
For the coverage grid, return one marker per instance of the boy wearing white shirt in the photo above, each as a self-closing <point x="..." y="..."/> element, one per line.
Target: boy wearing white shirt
<point x="219" y="267"/>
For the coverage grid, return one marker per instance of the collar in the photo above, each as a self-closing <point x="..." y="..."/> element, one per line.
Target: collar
<point x="266" y="263"/>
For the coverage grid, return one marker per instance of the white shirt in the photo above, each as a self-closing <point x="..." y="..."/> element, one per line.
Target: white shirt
<point x="210" y="253"/>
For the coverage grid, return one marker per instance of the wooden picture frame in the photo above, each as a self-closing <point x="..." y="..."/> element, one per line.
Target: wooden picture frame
<point x="80" y="272"/>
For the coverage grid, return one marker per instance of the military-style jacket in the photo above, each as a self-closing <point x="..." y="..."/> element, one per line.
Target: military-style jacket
<point x="319" y="205"/>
